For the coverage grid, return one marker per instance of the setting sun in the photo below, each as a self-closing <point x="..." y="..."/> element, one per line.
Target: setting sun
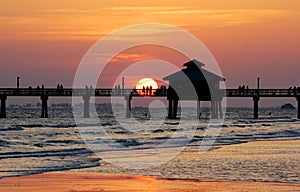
<point x="146" y="86"/>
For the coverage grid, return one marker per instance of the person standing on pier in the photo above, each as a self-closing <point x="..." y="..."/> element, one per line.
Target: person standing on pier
<point x="144" y="90"/>
<point x="57" y="88"/>
<point x="150" y="90"/>
<point x="61" y="88"/>
<point x="38" y="90"/>
<point x="43" y="89"/>
<point x="119" y="90"/>
<point x="30" y="90"/>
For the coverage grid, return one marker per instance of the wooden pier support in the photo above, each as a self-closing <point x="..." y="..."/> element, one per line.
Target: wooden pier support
<point x="255" y="113"/>
<point x="298" y="107"/>
<point x="213" y="109"/>
<point x="198" y="109"/>
<point x="128" y="99"/>
<point x="3" y="106"/>
<point x="216" y="109"/>
<point x="86" y="102"/>
<point x="173" y="108"/>
<point x="220" y="109"/>
<point x="86" y="106"/>
<point x="44" y="99"/>
<point x="170" y="109"/>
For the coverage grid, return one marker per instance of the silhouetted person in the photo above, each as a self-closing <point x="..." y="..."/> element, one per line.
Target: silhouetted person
<point x="38" y="89"/>
<point x="150" y="90"/>
<point x="290" y="91"/>
<point x="91" y="88"/>
<point x="30" y="90"/>
<point x="116" y="90"/>
<point x="161" y="90"/>
<point x="147" y="90"/>
<point x="119" y="90"/>
<point x="57" y="88"/>
<point x="144" y="90"/>
<point x="158" y="91"/>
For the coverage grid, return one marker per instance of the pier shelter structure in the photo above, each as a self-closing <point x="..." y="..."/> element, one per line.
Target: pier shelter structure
<point x="195" y="83"/>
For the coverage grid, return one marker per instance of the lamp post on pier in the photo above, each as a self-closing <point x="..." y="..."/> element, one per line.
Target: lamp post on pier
<point x="18" y="83"/>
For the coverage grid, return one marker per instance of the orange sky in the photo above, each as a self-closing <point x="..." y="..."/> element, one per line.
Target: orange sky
<point x="44" y="41"/>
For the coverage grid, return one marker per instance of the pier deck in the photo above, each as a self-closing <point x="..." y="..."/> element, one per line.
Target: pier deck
<point x="86" y="93"/>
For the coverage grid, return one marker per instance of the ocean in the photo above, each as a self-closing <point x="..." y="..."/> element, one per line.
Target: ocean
<point x="31" y="145"/>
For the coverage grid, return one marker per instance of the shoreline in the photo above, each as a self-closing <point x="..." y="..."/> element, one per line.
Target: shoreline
<point x="86" y="180"/>
<point x="93" y="182"/>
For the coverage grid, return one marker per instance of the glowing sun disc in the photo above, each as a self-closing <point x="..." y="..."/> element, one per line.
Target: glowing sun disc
<point x="146" y="86"/>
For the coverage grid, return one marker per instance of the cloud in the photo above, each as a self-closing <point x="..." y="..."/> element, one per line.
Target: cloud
<point x="18" y="20"/>
<point x="216" y="17"/>
<point x="68" y="11"/>
<point x="130" y="57"/>
<point x="143" y="8"/>
<point x="228" y="17"/>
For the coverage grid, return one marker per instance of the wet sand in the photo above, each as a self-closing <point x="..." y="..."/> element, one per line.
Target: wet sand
<point x="90" y="182"/>
<point x="80" y="182"/>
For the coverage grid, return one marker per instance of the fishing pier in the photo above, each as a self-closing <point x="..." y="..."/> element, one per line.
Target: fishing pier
<point x="205" y="84"/>
<point x="128" y="94"/>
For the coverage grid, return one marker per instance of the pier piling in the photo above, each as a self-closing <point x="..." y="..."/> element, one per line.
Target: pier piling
<point x="255" y="100"/>
<point x="173" y="108"/>
<point x="220" y="109"/>
<point x="128" y="99"/>
<point x="213" y="109"/>
<point x="86" y="106"/>
<point x="3" y="106"/>
<point x="170" y="109"/>
<point x="298" y="107"/>
<point x="198" y="109"/>
<point x="44" y="99"/>
<point x="216" y="109"/>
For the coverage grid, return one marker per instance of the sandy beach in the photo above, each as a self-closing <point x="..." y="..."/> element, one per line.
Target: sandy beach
<point x="71" y="182"/>
<point x="93" y="182"/>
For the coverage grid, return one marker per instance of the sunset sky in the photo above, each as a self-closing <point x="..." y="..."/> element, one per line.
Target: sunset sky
<point x="43" y="42"/>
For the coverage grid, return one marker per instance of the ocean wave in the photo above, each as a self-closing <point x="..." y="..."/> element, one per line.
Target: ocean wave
<point x="46" y="153"/>
<point x="4" y="143"/>
<point x="268" y="120"/>
<point x="128" y="142"/>
<point x="13" y="128"/>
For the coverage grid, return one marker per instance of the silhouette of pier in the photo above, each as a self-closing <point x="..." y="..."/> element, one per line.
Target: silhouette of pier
<point x="128" y="94"/>
<point x="191" y="83"/>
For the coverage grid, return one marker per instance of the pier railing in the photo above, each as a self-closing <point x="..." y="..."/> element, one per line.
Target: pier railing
<point x="80" y="92"/>
<point x="139" y="92"/>
<point x="262" y="93"/>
